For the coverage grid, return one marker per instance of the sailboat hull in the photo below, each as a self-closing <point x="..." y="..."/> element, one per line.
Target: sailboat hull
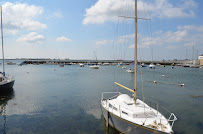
<point x="125" y="126"/>
<point x="6" y="87"/>
<point x="94" y="67"/>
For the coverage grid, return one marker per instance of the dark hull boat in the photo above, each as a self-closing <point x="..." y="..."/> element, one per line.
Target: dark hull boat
<point x="6" y="84"/>
<point x="6" y="81"/>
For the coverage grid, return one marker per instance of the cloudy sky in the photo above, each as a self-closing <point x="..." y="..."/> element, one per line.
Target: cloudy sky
<point x="79" y="29"/>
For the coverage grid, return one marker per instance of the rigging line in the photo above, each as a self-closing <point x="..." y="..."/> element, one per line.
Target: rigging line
<point x="127" y="38"/>
<point x="120" y="40"/>
<point x="126" y="41"/>
<point x="124" y="48"/>
<point x="148" y="25"/>
<point x="140" y="48"/>
<point x="115" y="41"/>
<point x="119" y="46"/>
<point x="125" y="26"/>
<point x="130" y="38"/>
<point x="150" y="31"/>
<point x="125" y="7"/>
<point x="2" y="41"/>
<point x="141" y="68"/>
<point x="115" y="45"/>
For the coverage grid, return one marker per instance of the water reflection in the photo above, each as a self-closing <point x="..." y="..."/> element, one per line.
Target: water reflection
<point x="52" y="101"/>
<point x="4" y="98"/>
<point x="108" y="128"/>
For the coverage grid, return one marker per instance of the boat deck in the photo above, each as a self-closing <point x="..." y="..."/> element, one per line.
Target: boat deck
<point x="140" y="113"/>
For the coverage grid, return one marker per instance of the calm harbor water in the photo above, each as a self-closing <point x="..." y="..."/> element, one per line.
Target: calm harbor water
<point x="51" y="99"/>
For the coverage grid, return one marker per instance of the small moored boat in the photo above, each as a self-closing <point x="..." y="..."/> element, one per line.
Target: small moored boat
<point x="143" y="65"/>
<point x="94" y="67"/>
<point x="130" y="70"/>
<point x="6" y="81"/>
<point x="61" y="65"/>
<point x="152" y="66"/>
<point x="81" y="65"/>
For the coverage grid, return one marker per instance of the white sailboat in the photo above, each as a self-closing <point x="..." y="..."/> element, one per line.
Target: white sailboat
<point x="130" y="70"/>
<point x="152" y="66"/>
<point x="131" y="115"/>
<point x="6" y="81"/>
<point x="143" y="65"/>
<point x="81" y="65"/>
<point x="94" y="67"/>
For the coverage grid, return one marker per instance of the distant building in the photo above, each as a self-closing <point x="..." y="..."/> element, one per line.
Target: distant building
<point x="200" y="59"/>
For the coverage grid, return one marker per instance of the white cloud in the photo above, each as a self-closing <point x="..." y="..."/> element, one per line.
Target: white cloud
<point x="12" y="31"/>
<point x="131" y="46"/>
<point x="121" y="40"/>
<point x="172" y="47"/>
<point x="109" y="10"/>
<point x="138" y="46"/>
<point x="18" y="16"/>
<point x="32" y="37"/>
<point x="191" y="28"/>
<point x="103" y="42"/>
<point x="186" y="35"/>
<point x="63" y="39"/>
<point x="105" y="10"/>
<point x="125" y="39"/>
<point x="57" y="14"/>
<point x="190" y="44"/>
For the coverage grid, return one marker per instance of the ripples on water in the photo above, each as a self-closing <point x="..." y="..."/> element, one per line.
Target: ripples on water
<point x="53" y="99"/>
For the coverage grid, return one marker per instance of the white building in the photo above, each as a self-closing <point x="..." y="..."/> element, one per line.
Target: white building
<point x="200" y="59"/>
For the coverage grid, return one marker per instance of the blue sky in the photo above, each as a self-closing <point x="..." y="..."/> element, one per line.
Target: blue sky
<point x="79" y="29"/>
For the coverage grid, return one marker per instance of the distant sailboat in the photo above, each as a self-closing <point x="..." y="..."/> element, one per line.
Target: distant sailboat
<point x="152" y="66"/>
<point x="194" y="65"/>
<point x="95" y="66"/>
<point x="143" y="65"/>
<point x="131" y="115"/>
<point x="81" y="65"/>
<point x="61" y="65"/>
<point x="6" y="82"/>
<point x="11" y="63"/>
<point x="130" y="70"/>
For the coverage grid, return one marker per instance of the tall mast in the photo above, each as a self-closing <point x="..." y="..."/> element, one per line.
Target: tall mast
<point x="193" y="53"/>
<point x="135" y="60"/>
<point x="2" y="42"/>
